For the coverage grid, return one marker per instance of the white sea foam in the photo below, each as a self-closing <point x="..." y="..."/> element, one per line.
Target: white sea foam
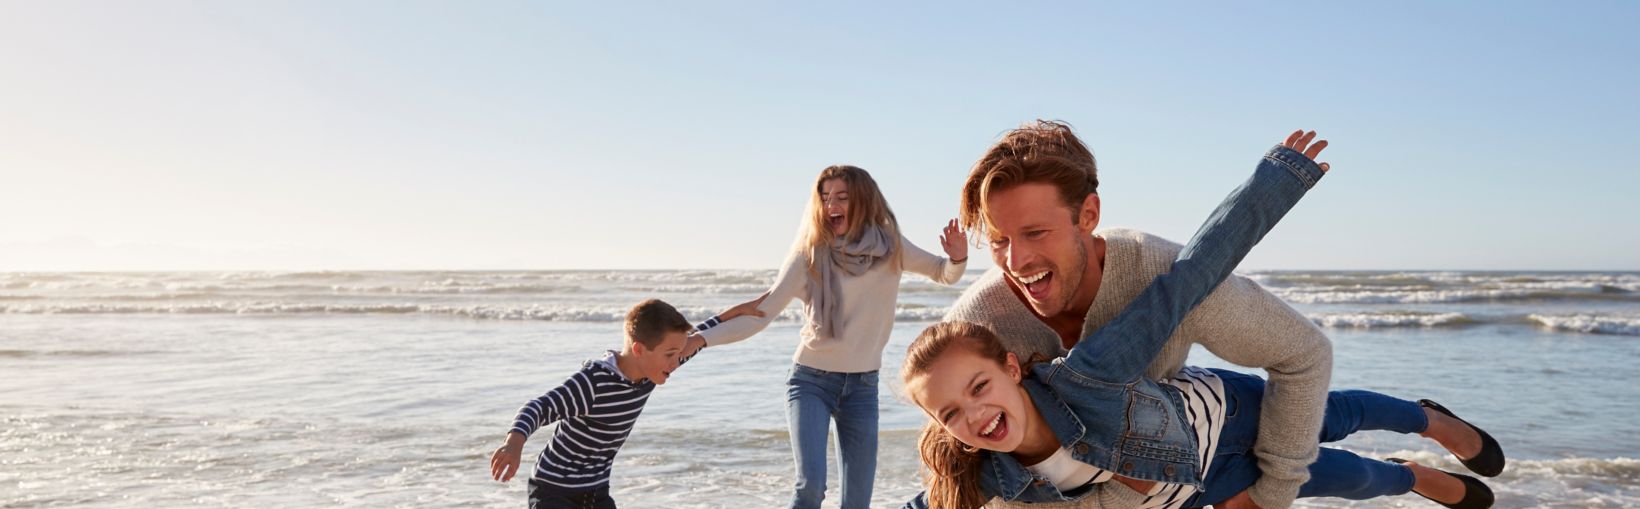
<point x="1404" y="297"/>
<point x="1590" y="323"/>
<point x="593" y="313"/>
<point x="1391" y="319"/>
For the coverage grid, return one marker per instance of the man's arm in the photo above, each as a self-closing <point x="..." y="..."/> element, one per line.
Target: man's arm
<point x="1243" y="323"/>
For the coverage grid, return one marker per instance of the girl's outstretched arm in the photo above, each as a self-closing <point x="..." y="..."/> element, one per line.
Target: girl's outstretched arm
<point x="1120" y="351"/>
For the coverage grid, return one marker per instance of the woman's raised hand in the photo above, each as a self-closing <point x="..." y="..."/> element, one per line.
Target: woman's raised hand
<point x="1300" y="141"/>
<point x="955" y="242"/>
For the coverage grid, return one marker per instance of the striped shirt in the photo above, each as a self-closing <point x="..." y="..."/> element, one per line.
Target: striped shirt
<point x="595" y="410"/>
<point x="1203" y="394"/>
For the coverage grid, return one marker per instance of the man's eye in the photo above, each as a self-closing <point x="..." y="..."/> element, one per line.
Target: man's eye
<point x="999" y="244"/>
<point x="1036" y="234"/>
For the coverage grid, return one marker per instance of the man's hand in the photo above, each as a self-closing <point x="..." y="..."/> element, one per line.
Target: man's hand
<point x="1241" y="500"/>
<point x="1300" y="141"/>
<point x="955" y="242"/>
<point x="504" y="462"/>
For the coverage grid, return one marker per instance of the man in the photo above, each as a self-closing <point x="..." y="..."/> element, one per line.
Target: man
<point x="1034" y="196"/>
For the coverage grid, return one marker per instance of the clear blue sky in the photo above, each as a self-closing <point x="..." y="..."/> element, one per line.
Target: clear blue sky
<point x="442" y="135"/>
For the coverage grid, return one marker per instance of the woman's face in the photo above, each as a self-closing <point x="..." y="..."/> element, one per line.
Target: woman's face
<point x="834" y="201"/>
<point x="976" y="400"/>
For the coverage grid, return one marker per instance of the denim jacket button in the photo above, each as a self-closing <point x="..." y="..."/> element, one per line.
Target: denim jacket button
<point x="1038" y="483"/>
<point x="1127" y="466"/>
<point x="1168" y="470"/>
<point x="1081" y="448"/>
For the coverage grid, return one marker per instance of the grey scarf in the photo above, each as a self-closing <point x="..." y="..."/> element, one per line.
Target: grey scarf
<point x="853" y="258"/>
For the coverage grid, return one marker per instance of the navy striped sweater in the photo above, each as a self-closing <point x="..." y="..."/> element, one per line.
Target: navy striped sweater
<point x="595" y="410"/>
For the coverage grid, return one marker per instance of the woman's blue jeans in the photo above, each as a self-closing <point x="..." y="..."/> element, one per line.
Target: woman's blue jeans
<point x="813" y="399"/>
<point x="1336" y="472"/>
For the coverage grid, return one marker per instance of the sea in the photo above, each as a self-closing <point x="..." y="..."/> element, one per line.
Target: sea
<point x="390" y="389"/>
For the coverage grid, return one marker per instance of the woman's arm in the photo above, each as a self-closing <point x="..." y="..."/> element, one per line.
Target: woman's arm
<point x="791" y="283"/>
<point x="1120" y="351"/>
<point x="942" y="270"/>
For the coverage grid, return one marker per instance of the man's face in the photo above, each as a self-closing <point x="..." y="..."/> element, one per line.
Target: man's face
<point x="658" y="364"/>
<point x="975" y="399"/>
<point x="1035" y="240"/>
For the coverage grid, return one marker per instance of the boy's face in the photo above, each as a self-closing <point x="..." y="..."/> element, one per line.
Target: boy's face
<point x="976" y="400"/>
<point x="658" y="364"/>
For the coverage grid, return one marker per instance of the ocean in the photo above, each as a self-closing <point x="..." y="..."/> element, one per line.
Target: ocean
<point x="390" y="389"/>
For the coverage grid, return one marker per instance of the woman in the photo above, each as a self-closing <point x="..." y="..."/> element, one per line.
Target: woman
<point x="1067" y="429"/>
<point x="845" y="267"/>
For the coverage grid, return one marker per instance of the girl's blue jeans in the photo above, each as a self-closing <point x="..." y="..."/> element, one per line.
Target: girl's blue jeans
<point x="1336" y="472"/>
<point x="814" y="398"/>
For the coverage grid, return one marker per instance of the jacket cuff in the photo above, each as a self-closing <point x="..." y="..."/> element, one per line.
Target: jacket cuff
<point x="1302" y="167"/>
<point x="1271" y="493"/>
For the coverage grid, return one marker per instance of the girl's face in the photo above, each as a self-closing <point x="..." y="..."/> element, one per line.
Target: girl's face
<point x="976" y="400"/>
<point x="834" y="201"/>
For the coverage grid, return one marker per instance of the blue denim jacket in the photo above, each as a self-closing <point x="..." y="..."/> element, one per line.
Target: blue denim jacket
<point x="1096" y="398"/>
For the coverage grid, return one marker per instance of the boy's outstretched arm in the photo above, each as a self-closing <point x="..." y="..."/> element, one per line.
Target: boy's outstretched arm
<point x="570" y="399"/>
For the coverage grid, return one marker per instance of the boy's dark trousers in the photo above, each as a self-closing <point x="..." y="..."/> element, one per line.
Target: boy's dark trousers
<point x="546" y="496"/>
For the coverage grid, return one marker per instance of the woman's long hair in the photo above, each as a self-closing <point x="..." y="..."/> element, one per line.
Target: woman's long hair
<point x="866" y="206"/>
<point x="953" y="467"/>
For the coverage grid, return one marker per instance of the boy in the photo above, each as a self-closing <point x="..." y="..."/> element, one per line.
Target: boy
<point x="598" y="406"/>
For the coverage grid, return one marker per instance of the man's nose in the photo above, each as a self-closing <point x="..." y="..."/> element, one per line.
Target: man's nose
<point x="1018" y="257"/>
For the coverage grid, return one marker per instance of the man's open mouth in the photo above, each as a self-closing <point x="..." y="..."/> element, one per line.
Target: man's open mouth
<point x="1036" y="285"/>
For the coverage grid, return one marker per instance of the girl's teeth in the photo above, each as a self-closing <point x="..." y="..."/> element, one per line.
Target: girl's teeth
<point x="993" y="427"/>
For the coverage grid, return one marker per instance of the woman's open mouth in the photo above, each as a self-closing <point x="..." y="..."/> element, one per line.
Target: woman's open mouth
<point x="836" y="221"/>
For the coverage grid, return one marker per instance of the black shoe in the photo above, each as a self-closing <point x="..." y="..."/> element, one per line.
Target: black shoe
<point x="1475" y="493"/>
<point x="1488" y="462"/>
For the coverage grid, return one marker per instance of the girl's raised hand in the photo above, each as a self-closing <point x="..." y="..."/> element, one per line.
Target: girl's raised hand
<point x="1300" y="141"/>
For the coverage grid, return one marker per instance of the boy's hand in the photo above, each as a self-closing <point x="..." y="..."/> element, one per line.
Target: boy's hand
<point x="504" y="462"/>
<point x="748" y="308"/>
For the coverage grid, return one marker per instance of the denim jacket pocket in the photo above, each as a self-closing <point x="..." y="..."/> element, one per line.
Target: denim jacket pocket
<point x="1147" y="417"/>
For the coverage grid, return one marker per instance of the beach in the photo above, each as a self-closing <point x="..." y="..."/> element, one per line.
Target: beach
<point x="390" y="389"/>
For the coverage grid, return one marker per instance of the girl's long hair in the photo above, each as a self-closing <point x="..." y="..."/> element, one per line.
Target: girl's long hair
<point x="953" y="467"/>
<point x="866" y="206"/>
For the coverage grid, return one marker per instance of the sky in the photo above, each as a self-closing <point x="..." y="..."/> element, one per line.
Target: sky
<point x="162" y="135"/>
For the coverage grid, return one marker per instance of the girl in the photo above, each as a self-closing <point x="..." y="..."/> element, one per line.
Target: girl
<point x="845" y="267"/>
<point x="1062" y="432"/>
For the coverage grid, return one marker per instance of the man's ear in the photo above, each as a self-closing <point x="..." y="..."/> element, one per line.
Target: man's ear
<point x="1013" y="368"/>
<point x="1087" y="217"/>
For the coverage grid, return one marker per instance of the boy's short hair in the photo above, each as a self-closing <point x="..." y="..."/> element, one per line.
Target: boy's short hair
<point x="650" y="320"/>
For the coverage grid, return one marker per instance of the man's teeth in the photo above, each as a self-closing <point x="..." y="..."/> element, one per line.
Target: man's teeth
<point x="993" y="426"/>
<point x="1032" y="278"/>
